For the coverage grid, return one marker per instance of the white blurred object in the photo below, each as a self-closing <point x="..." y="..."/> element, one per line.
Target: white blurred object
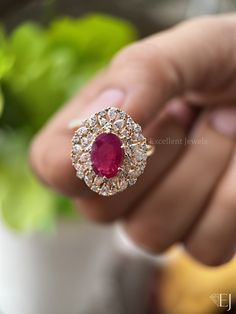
<point x="124" y="277"/>
<point x="169" y="12"/>
<point x="80" y="269"/>
<point x="122" y="280"/>
<point x="202" y="7"/>
<point x="48" y="273"/>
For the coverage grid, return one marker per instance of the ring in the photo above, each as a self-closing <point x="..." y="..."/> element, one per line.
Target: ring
<point x="109" y="151"/>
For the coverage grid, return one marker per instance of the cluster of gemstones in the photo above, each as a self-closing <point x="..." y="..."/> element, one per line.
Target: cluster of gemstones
<point x="109" y="151"/>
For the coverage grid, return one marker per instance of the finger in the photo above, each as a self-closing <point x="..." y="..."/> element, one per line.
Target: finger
<point x="213" y="240"/>
<point x="172" y="128"/>
<point x="174" y="205"/>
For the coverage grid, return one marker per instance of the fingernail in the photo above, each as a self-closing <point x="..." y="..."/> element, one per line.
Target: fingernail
<point x="181" y="111"/>
<point x="108" y="98"/>
<point x="224" y="121"/>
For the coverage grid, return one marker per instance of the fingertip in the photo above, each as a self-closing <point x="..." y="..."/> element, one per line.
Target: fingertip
<point x="50" y="160"/>
<point x="181" y="111"/>
<point x="210" y="257"/>
<point x="95" y="208"/>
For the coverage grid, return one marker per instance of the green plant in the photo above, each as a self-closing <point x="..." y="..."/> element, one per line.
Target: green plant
<point x="40" y="68"/>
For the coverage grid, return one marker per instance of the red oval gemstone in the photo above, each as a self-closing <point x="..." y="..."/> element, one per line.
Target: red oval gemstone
<point x="107" y="155"/>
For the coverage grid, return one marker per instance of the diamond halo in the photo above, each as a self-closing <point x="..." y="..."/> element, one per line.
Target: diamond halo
<point x="133" y="143"/>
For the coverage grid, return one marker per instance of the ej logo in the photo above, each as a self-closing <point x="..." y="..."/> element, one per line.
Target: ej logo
<point x="222" y="300"/>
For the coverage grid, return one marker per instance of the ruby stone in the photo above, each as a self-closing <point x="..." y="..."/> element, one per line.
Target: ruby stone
<point x="107" y="155"/>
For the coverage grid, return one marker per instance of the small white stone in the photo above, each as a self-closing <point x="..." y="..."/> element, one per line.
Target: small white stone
<point x="107" y="127"/>
<point x="143" y="148"/>
<point x="125" y="133"/>
<point x="142" y="165"/>
<point x="112" y="113"/>
<point x="123" y="184"/>
<point x="137" y="128"/>
<point x="75" y="139"/>
<point x="95" y="129"/>
<point x="95" y="188"/>
<point x="92" y="121"/>
<point x="132" y="181"/>
<point x="76" y="149"/>
<point x="135" y="151"/>
<point x="139" y="170"/>
<point x="86" y="140"/>
<point x="85" y="157"/>
<point x="139" y="156"/>
<point x="82" y="131"/>
<point x="80" y="173"/>
<point x="88" y="179"/>
<point x="78" y="166"/>
<point x="113" y="183"/>
<point x="104" y="190"/>
<point x="139" y="137"/>
<point x="118" y="124"/>
<point x="102" y="121"/>
<point x="122" y="115"/>
<point x="98" y="180"/>
<point x="132" y="173"/>
<point x="134" y="147"/>
<point x="129" y="142"/>
<point x="130" y="121"/>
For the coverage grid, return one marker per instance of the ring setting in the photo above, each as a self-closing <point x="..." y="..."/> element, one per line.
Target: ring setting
<point x="109" y="151"/>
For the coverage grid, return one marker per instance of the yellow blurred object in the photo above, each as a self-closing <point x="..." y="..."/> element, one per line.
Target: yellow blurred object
<point x="188" y="286"/>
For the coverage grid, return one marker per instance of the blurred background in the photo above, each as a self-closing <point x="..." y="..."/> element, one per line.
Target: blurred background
<point x="48" y="50"/>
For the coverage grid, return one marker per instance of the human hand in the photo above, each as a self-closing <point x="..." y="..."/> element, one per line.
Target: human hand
<point x="187" y="193"/>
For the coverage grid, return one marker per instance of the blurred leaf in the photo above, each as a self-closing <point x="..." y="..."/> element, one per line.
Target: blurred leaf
<point x="6" y="63"/>
<point x="51" y="64"/>
<point x="94" y="38"/>
<point x="25" y="205"/>
<point x="1" y="101"/>
<point x="6" y="58"/>
<point x="40" y="68"/>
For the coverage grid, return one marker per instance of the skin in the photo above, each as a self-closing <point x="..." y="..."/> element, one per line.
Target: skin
<point x="179" y="83"/>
